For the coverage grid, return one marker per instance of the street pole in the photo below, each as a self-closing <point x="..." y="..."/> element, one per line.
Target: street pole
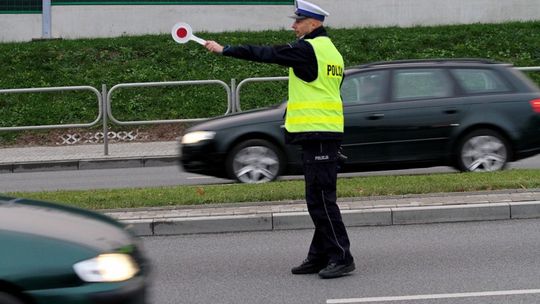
<point x="46" y="19"/>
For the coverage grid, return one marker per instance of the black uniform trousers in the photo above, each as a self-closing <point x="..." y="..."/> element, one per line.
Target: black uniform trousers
<point x="330" y="241"/>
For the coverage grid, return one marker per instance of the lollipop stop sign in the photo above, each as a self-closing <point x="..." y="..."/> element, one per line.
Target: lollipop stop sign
<point x="182" y="33"/>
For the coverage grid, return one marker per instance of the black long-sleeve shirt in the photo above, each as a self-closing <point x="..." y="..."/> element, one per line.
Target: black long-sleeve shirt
<point x="300" y="56"/>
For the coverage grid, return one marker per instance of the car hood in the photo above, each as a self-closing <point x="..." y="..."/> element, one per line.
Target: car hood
<point x="42" y="219"/>
<point x="257" y="116"/>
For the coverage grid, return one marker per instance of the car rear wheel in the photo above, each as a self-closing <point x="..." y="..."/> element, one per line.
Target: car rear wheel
<point x="6" y="298"/>
<point x="483" y="150"/>
<point x="255" y="161"/>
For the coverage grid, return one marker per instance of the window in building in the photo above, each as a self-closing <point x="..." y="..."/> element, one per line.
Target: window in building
<point x="159" y="2"/>
<point x="20" y="6"/>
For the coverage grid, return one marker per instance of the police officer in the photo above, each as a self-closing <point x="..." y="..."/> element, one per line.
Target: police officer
<point x="314" y="120"/>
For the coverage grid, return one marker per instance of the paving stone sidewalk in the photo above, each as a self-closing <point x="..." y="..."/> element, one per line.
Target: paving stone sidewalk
<point x="90" y="156"/>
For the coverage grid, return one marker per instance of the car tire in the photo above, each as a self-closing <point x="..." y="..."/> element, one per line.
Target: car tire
<point x="483" y="150"/>
<point x="255" y="161"/>
<point x="6" y="298"/>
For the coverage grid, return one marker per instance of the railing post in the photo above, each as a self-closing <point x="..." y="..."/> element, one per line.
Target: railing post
<point x="105" y="116"/>
<point x="233" y="95"/>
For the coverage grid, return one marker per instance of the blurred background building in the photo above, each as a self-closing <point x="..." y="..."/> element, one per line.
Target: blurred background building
<point x="24" y="20"/>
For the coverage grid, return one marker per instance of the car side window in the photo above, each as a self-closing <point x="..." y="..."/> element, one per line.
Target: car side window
<point x="421" y="84"/>
<point x="475" y="81"/>
<point x="363" y="88"/>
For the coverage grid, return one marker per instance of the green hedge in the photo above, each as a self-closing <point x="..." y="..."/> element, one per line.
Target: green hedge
<point x="157" y="58"/>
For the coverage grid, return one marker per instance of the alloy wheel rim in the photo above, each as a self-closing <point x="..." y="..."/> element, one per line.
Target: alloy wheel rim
<point x="256" y="164"/>
<point x="484" y="153"/>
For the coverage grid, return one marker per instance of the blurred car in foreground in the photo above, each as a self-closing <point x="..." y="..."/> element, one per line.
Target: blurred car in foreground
<point x="472" y="114"/>
<point x="63" y="255"/>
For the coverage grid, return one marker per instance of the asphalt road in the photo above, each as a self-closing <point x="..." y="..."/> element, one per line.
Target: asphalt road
<point x="476" y="262"/>
<point x="156" y="176"/>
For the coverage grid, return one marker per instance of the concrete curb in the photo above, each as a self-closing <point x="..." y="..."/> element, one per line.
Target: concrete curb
<point x="85" y="164"/>
<point x="352" y="218"/>
<point x="452" y="213"/>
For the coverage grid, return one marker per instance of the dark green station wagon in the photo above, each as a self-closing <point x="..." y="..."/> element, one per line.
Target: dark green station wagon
<point x="55" y="254"/>
<point x="471" y="114"/>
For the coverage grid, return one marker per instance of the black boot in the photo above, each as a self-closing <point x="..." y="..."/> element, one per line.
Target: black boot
<point x="334" y="270"/>
<point x="308" y="267"/>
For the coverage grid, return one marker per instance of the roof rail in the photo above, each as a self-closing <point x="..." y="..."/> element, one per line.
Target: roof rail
<point x="434" y="60"/>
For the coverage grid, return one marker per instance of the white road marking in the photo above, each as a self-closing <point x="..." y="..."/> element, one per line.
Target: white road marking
<point x="198" y="177"/>
<point x="435" y="296"/>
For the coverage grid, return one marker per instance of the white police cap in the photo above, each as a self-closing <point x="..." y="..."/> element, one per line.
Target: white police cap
<point x="304" y="10"/>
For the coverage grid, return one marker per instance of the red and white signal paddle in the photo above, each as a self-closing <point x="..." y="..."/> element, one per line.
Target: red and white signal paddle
<point x="182" y="33"/>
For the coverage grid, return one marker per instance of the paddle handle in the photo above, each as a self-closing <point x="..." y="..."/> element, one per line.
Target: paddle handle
<point x="198" y="40"/>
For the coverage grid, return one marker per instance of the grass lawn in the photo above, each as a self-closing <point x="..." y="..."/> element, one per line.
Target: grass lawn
<point x="289" y="190"/>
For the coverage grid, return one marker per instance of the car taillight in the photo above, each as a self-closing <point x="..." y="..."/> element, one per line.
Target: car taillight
<point x="535" y="104"/>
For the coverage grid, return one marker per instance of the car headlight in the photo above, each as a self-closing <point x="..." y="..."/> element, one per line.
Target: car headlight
<point x="109" y="267"/>
<point x="197" y="136"/>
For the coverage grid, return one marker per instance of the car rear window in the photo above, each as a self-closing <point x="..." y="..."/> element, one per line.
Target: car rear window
<point x="475" y="81"/>
<point x="414" y="84"/>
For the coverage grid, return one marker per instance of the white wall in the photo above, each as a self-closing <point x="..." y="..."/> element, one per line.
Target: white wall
<point x="21" y="27"/>
<point x="79" y="21"/>
<point x="428" y="12"/>
<point x="113" y="20"/>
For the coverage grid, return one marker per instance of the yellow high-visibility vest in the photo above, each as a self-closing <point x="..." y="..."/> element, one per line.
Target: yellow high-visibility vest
<point x="316" y="106"/>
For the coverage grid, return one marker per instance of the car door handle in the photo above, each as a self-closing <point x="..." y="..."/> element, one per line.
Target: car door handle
<point x="450" y="111"/>
<point x="375" y="116"/>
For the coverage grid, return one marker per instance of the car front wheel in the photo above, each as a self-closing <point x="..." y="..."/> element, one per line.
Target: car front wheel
<point x="483" y="150"/>
<point x="255" y="161"/>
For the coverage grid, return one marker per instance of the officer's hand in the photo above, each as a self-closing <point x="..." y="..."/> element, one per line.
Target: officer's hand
<point x="213" y="46"/>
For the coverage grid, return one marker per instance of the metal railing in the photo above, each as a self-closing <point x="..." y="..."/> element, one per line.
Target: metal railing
<point x="247" y="80"/>
<point x="161" y="84"/>
<point x="529" y="69"/>
<point x="56" y="89"/>
<point x="108" y="102"/>
<point x="104" y="100"/>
